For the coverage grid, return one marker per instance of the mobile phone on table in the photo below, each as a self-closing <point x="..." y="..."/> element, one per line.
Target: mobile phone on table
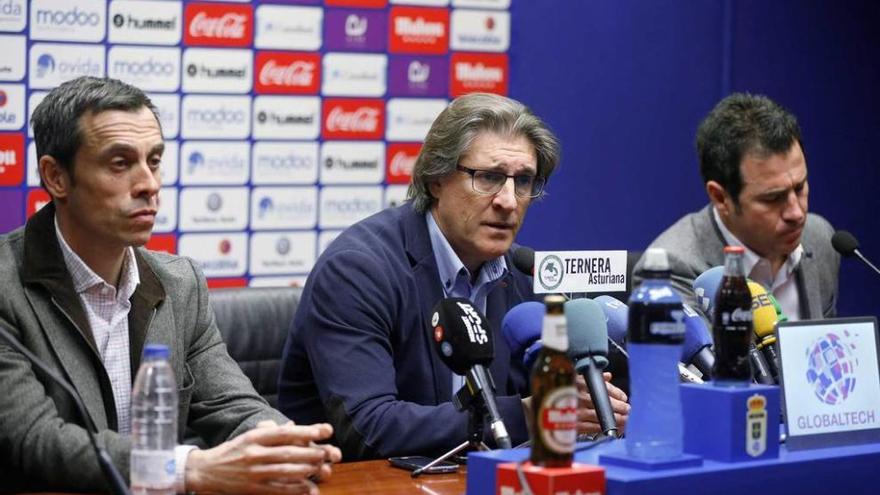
<point x="413" y="462"/>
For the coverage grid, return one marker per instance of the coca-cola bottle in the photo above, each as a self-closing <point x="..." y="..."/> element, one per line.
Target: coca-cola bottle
<point x="732" y="325"/>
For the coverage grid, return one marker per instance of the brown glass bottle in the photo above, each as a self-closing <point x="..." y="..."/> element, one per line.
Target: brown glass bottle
<point x="732" y="323"/>
<point x="554" y="396"/>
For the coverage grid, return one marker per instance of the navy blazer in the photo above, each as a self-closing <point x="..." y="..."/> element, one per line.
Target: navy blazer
<point x="360" y="353"/>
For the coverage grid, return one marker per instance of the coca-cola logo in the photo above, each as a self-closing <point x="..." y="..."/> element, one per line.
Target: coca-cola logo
<point x="401" y="158"/>
<point x="287" y="73"/>
<point x="402" y="163"/>
<point x="218" y="25"/>
<point x="358" y="119"/>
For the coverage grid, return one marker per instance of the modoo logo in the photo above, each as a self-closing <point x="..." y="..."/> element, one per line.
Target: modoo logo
<point x="72" y="17"/>
<point x="144" y="68"/>
<point x="215" y="116"/>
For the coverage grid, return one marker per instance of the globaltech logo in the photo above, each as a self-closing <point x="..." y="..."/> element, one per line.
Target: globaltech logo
<point x="282" y="252"/>
<point x="355" y="30"/>
<point x="831" y="367"/>
<point x="343" y="206"/>
<point x="12" y="15"/>
<point x="284" y="163"/>
<point x="52" y="64"/>
<point x="216" y="117"/>
<point x="62" y="20"/>
<point x="151" y="69"/>
<point x="481" y="72"/>
<point x="204" y="209"/>
<point x="409" y="118"/>
<point x="480" y="30"/>
<point x="145" y="22"/>
<point x="287" y="72"/>
<point x="352" y="162"/>
<point x="353" y="118"/>
<point x="347" y="74"/>
<point x="215" y="162"/>
<point x="289" y="27"/>
<point x="210" y="70"/>
<point x="218" y="25"/>
<point x="286" y="117"/>
<point x="550" y="272"/>
<point x="284" y="207"/>
<point x="11" y="159"/>
<point x="12" y="116"/>
<point x="419" y="30"/>
<point x="12" y="63"/>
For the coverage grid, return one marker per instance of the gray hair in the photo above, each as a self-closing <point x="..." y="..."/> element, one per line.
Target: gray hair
<point x="56" y="119"/>
<point x="460" y="123"/>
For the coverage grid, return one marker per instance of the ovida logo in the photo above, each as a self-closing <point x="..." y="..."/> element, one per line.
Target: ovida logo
<point x="148" y="24"/>
<point x="214" y="202"/>
<point x="270" y="208"/>
<point x="45" y="65"/>
<point x="417" y="72"/>
<point x="298" y="73"/>
<point x="361" y="120"/>
<point x="229" y="25"/>
<point x="223" y="163"/>
<point x="73" y="17"/>
<point x="355" y="27"/>
<point x="10" y="8"/>
<point x="550" y="272"/>
<point x="831" y="367"/>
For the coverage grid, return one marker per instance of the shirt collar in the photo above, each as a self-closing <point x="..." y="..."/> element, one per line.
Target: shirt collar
<point x="752" y="258"/>
<point x="449" y="264"/>
<point x="85" y="278"/>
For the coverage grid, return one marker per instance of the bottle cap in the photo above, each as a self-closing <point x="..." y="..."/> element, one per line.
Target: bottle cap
<point x="156" y="351"/>
<point x="656" y="260"/>
<point x="734" y="249"/>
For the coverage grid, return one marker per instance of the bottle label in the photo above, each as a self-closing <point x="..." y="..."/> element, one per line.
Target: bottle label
<point x="154" y="469"/>
<point x="756" y="425"/>
<point x="554" y="333"/>
<point x="558" y="420"/>
<point x="738" y="315"/>
<point x="666" y="328"/>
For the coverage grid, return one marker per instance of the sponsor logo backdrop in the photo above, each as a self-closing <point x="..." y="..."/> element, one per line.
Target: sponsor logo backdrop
<point x="286" y="120"/>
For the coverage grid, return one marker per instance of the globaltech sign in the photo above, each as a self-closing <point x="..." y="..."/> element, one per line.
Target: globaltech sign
<point x="63" y="20"/>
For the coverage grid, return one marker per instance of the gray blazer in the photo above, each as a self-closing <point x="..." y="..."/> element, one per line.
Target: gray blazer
<point x="695" y="244"/>
<point x="43" y="443"/>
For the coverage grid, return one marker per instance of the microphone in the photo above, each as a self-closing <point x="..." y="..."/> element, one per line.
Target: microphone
<point x="847" y="245"/>
<point x="764" y="319"/>
<point x="760" y="369"/>
<point x="705" y="287"/>
<point x="524" y="260"/>
<point x="117" y="484"/>
<point x="697" y="347"/>
<point x="521" y="328"/>
<point x="464" y="342"/>
<point x="588" y="348"/>
<point x="617" y="319"/>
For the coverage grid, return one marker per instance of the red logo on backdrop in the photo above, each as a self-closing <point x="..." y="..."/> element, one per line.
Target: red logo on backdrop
<point x="209" y="24"/>
<point x="483" y="72"/>
<point x="11" y="159"/>
<point x="163" y="242"/>
<point x="219" y="283"/>
<point x="287" y="72"/>
<point x="418" y="30"/>
<point x="348" y="118"/>
<point x="36" y="199"/>
<point x="400" y="158"/>
<point x="368" y="4"/>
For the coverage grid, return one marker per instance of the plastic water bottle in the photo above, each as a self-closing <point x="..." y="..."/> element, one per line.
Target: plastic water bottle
<point x="153" y="425"/>
<point x="655" y="430"/>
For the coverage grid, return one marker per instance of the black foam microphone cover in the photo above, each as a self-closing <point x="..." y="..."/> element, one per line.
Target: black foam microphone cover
<point x="844" y="243"/>
<point x="462" y="335"/>
<point x="524" y="260"/>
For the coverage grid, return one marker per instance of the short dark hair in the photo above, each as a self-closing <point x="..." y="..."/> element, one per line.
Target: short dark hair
<point x="56" y="119"/>
<point x="740" y="125"/>
<point x="460" y="123"/>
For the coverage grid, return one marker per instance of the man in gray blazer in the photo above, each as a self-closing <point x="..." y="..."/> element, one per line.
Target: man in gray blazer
<point x="81" y="294"/>
<point x="755" y="173"/>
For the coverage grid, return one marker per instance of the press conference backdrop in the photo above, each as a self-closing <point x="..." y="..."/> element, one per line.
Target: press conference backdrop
<point x="623" y="83"/>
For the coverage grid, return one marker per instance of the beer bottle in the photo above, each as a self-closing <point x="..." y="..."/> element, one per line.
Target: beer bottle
<point x="554" y="396"/>
<point x="732" y="324"/>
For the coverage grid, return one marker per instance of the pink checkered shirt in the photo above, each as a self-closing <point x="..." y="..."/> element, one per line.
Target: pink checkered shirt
<point x="107" y="309"/>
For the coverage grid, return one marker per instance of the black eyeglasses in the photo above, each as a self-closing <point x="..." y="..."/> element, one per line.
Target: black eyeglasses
<point x="490" y="182"/>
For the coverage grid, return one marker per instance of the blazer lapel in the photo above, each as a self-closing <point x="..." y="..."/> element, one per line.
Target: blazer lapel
<point x="144" y="300"/>
<point x="497" y="303"/>
<point x="808" y="293"/>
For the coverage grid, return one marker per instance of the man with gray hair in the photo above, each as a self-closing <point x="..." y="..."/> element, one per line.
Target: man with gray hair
<point x="83" y="295"/>
<point x="360" y="351"/>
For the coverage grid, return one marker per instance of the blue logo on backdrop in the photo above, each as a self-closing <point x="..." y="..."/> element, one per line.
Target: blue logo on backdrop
<point x="45" y="65"/>
<point x="831" y="365"/>
<point x="266" y="207"/>
<point x="282" y="246"/>
<point x="196" y="160"/>
<point x="215" y="202"/>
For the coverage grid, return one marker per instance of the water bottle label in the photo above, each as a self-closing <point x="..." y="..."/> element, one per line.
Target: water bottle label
<point x="666" y="328"/>
<point x="154" y="469"/>
<point x="558" y="416"/>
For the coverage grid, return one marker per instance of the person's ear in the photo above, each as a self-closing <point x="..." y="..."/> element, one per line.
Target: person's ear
<point x="721" y="200"/>
<point x="55" y="178"/>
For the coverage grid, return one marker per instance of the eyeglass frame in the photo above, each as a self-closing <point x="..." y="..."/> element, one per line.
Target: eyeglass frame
<point x="536" y="179"/>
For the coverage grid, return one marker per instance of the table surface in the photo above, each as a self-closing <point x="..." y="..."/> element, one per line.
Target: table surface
<point x="378" y="477"/>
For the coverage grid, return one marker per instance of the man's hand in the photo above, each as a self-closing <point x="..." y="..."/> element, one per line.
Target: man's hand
<point x="588" y="420"/>
<point x="267" y="459"/>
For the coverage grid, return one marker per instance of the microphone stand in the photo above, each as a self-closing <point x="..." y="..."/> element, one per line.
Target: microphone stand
<point x="477" y="413"/>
